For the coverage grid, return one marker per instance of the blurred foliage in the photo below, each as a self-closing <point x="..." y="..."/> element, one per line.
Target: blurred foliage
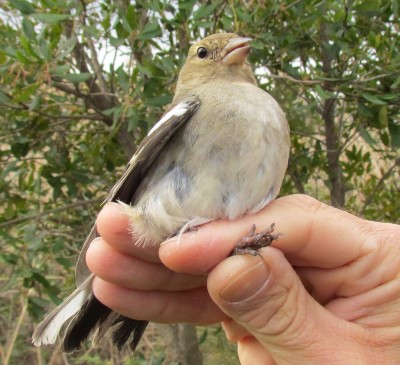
<point x="83" y="81"/>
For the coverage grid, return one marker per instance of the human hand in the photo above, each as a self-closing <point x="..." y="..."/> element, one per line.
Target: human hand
<point x="135" y="283"/>
<point x="349" y="313"/>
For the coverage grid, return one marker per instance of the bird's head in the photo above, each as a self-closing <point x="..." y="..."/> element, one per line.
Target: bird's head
<point x="218" y="57"/>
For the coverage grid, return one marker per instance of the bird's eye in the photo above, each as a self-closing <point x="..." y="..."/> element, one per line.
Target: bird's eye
<point x="202" y="52"/>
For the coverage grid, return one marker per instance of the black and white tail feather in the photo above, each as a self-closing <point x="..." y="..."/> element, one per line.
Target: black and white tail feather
<point x="81" y="311"/>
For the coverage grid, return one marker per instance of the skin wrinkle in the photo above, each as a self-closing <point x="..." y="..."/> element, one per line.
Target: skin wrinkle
<point x="386" y="251"/>
<point x="280" y="301"/>
<point x="264" y="321"/>
<point x="164" y="309"/>
<point x="168" y="278"/>
<point x="286" y="319"/>
<point x="304" y="203"/>
<point x="370" y="272"/>
<point x="169" y="307"/>
<point x="313" y="226"/>
<point x="203" y="311"/>
<point x="378" y="337"/>
<point x="374" y="339"/>
<point x="382" y="305"/>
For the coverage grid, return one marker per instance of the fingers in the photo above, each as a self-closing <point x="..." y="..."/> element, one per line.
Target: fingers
<point x="113" y="226"/>
<point x="376" y="308"/>
<point x="335" y="253"/>
<point x="378" y="264"/>
<point x="234" y="331"/>
<point x="268" y="302"/>
<point x="192" y="306"/>
<point x="128" y="271"/>
<point x="131" y="281"/>
<point x="252" y="352"/>
<point x="310" y="234"/>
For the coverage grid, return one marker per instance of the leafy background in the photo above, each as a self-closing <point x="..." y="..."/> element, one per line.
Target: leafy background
<point x="83" y="81"/>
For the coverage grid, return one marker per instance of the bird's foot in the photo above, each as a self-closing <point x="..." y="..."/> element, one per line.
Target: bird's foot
<point x="250" y="244"/>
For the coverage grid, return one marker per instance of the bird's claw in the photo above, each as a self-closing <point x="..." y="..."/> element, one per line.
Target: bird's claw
<point x="250" y="244"/>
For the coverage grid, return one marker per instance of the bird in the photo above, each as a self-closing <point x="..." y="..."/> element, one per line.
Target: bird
<point x="220" y="151"/>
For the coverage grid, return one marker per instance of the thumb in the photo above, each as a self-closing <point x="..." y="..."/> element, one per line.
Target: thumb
<point x="265" y="297"/>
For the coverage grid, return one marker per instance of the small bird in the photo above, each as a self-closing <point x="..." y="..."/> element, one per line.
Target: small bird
<point x="220" y="151"/>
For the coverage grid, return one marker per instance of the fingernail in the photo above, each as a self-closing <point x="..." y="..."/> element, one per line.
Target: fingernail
<point x="247" y="284"/>
<point x="95" y="241"/>
<point x="112" y="205"/>
<point x="112" y="208"/>
<point x="169" y="241"/>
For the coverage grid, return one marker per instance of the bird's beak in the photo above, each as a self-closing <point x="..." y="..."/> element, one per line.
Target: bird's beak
<point x="236" y="51"/>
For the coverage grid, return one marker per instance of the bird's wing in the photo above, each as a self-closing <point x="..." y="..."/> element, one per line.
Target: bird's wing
<point x="148" y="151"/>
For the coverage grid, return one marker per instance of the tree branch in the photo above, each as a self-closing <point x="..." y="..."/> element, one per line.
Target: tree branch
<point x="379" y="185"/>
<point x="50" y="211"/>
<point x="332" y="140"/>
<point x="96" y="66"/>
<point x="292" y="79"/>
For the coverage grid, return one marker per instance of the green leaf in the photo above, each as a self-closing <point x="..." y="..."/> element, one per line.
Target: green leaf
<point x="323" y="94"/>
<point x="395" y="7"/>
<point x="383" y="116"/>
<point x="25" y="94"/>
<point x="244" y="15"/>
<point x="77" y="78"/>
<point x="131" y="16"/>
<point x="367" y="6"/>
<point x="292" y="71"/>
<point x="22" y="57"/>
<point x="133" y="119"/>
<point x="4" y="98"/>
<point x="65" y="47"/>
<point x="206" y="10"/>
<point x="187" y="5"/>
<point x="123" y="79"/>
<point x="27" y="46"/>
<point x="36" y="102"/>
<point x="23" y="6"/>
<point x="203" y="336"/>
<point x="59" y="70"/>
<point x="366" y="136"/>
<point x="205" y="24"/>
<point x="20" y="149"/>
<point x="117" y="42"/>
<point x="373" y="99"/>
<point x="150" y="30"/>
<point x="64" y="262"/>
<point x="3" y="59"/>
<point x="394" y="130"/>
<point x="158" y="100"/>
<point x="28" y="29"/>
<point x="50" y="18"/>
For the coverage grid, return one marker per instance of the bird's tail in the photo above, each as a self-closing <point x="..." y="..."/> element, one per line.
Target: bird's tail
<point x="47" y="331"/>
<point x="86" y="314"/>
<point x="95" y="316"/>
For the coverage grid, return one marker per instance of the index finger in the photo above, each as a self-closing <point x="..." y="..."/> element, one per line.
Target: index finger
<point x="114" y="227"/>
<point x="310" y="234"/>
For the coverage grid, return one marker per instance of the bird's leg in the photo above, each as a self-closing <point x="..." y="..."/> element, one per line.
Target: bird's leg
<point x="254" y="241"/>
